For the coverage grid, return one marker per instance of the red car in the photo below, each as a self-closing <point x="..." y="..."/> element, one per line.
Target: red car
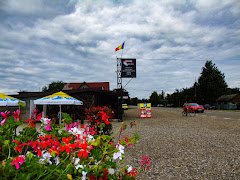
<point x="194" y="107"/>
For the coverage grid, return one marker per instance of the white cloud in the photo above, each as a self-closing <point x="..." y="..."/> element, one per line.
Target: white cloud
<point x="170" y="39"/>
<point x="23" y="6"/>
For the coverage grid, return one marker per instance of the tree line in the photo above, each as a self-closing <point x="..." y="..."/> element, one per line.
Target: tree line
<point x="210" y="85"/>
<point x="207" y="89"/>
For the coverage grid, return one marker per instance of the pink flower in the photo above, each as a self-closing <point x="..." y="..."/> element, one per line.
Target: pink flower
<point x="16" y="115"/>
<point x="3" y="122"/>
<point x="47" y="123"/>
<point x="18" y="161"/>
<point x="48" y="127"/>
<point x="5" y="116"/>
<point x="72" y="125"/>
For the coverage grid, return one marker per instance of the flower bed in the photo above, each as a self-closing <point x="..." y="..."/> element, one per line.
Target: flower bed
<point x="68" y="151"/>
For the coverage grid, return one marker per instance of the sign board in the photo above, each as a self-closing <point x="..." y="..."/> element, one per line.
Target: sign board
<point x="128" y="69"/>
<point x="145" y="110"/>
<point x="144" y="105"/>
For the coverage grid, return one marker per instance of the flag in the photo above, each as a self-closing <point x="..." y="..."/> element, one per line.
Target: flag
<point x="120" y="47"/>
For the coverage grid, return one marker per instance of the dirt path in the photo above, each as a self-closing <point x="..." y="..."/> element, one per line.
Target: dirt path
<point x="185" y="147"/>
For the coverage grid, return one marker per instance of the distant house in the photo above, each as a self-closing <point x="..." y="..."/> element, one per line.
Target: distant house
<point x="231" y="101"/>
<point x="87" y="85"/>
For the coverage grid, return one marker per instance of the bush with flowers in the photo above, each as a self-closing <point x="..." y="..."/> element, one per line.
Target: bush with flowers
<point x="66" y="151"/>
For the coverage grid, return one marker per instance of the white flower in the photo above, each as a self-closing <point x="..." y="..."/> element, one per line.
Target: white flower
<point x="56" y="159"/>
<point x="120" y="148"/>
<point x="90" y="138"/>
<point x="76" y="131"/>
<point x="84" y="175"/>
<point x="75" y="161"/>
<point x="129" y="169"/>
<point x="111" y="171"/>
<point x="117" y="155"/>
<point x="45" y="121"/>
<point x="41" y="134"/>
<point x="45" y="158"/>
<point x="78" y="166"/>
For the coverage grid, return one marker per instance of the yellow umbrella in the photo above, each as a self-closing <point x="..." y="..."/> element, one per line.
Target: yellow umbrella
<point x="59" y="98"/>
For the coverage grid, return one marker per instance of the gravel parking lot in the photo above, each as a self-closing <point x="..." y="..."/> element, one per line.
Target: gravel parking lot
<point x="200" y="147"/>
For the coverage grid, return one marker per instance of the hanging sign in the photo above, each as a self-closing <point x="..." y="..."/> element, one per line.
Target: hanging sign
<point x="128" y="69"/>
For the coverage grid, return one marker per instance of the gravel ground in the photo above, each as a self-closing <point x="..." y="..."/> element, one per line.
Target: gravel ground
<point x="184" y="147"/>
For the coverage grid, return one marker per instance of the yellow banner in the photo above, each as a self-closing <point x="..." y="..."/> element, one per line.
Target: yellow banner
<point x="144" y="105"/>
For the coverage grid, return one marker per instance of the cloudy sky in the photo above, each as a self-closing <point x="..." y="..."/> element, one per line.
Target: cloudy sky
<point x="74" y="41"/>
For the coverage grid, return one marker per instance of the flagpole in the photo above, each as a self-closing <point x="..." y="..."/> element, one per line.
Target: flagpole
<point x="122" y="53"/>
<point x="119" y="82"/>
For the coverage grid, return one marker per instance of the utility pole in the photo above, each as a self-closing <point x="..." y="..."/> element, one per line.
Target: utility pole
<point x="195" y="90"/>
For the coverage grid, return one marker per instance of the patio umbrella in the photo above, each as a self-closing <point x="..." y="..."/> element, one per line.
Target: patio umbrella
<point x="6" y="100"/>
<point x="59" y="98"/>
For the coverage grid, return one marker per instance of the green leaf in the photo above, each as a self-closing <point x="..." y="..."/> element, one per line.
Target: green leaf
<point x="6" y="142"/>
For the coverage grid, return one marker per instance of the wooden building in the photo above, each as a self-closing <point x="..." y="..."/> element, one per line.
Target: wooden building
<point x="231" y="101"/>
<point x="90" y="98"/>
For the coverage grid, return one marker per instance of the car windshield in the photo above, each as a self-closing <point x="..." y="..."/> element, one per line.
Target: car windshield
<point x="193" y="104"/>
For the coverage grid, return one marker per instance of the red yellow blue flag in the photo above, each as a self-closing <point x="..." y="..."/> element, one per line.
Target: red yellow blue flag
<point x="120" y="47"/>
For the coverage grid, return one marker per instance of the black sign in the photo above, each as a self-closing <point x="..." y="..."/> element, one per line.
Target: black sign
<point x="128" y="69"/>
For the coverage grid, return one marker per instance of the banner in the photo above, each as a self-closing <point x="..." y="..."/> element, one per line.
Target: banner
<point x="145" y="110"/>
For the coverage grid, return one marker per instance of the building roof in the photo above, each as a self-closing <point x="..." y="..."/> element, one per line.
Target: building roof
<point x="87" y="85"/>
<point x="229" y="98"/>
<point x="25" y="94"/>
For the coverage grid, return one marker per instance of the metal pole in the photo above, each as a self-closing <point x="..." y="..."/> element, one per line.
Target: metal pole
<point x="60" y="115"/>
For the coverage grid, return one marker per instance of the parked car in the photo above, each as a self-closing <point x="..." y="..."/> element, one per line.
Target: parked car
<point x="124" y="106"/>
<point x="194" y="107"/>
<point x="208" y="106"/>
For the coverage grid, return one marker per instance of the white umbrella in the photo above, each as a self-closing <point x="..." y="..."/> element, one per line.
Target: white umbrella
<point x="6" y="100"/>
<point x="59" y="98"/>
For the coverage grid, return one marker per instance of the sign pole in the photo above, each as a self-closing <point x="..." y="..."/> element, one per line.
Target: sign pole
<point x="119" y="85"/>
<point x="119" y="88"/>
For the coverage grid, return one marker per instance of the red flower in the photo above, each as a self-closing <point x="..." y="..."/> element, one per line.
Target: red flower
<point x="19" y="146"/>
<point x="31" y="122"/>
<point x="39" y="116"/>
<point x="68" y="146"/>
<point x="105" y="174"/>
<point x="126" y="139"/>
<point x="83" y="153"/>
<point x="133" y="173"/>
<point x="66" y="140"/>
<point x="105" y="117"/>
<point x="18" y="161"/>
<point x="145" y="162"/>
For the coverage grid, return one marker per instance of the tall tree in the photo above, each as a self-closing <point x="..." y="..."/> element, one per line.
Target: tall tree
<point x="54" y="86"/>
<point x="211" y="83"/>
<point x="154" y="98"/>
<point x="134" y="101"/>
